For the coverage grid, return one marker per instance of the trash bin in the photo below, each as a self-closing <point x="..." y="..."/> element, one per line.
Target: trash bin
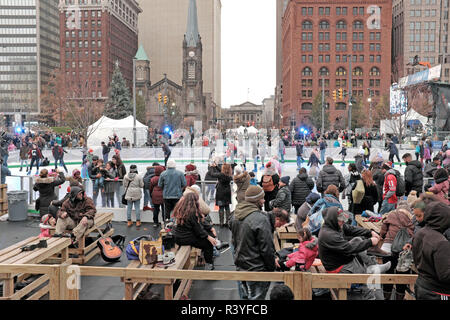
<point x="17" y="205"/>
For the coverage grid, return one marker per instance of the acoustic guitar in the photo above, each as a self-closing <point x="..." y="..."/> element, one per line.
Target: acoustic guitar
<point x="109" y="251"/>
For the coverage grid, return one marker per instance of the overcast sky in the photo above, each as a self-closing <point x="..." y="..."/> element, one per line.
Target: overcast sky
<point x="248" y="50"/>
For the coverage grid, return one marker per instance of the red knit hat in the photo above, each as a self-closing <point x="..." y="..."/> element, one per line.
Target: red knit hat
<point x="190" y="167"/>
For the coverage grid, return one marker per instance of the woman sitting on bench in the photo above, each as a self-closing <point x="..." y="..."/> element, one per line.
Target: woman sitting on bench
<point x="189" y="230"/>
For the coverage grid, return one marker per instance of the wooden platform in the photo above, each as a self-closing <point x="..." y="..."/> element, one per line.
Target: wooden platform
<point x="286" y="233"/>
<point x="87" y="252"/>
<point x="185" y="259"/>
<point x="57" y="250"/>
<point x="3" y="199"/>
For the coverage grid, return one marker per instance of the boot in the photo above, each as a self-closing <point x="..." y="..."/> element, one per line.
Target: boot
<point x="221" y="216"/>
<point x="377" y="252"/>
<point x="399" y="296"/>
<point x="129" y="223"/>
<point x="387" y="295"/>
<point x="138" y="224"/>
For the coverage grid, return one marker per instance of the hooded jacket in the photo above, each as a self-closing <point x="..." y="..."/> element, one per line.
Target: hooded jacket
<point x="77" y="209"/>
<point x="335" y="249"/>
<point x="302" y="212"/>
<point x="204" y="208"/>
<point x="394" y="222"/>
<point x="252" y="239"/>
<point x="283" y="199"/>
<point x="413" y="177"/>
<point x="23" y="153"/>
<point x="306" y="254"/>
<point x="46" y="187"/>
<point x="330" y="175"/>
<point x="431" y="249"/>
<point x="191" y="175"/>
<point x="300" y="188"/>
<point x="223" y="193"/>
<point x="359" y="163"/>
<point x="156" y="192"/>
<point x="148" y="176"/>
<point x="133" y="184"/>
<point x="441" y="190"/>
<point x="242" y="182"/>
<point x="430" y="169"/>
<point x="190" y="231"/>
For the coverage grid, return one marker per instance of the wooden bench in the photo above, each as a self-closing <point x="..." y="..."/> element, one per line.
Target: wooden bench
<point x="87" y="252"/>
<point x="3" y="199"/>
<point x="185" y="258"/>
<point x="57" y="251"/>
<point x="285" y="233"/>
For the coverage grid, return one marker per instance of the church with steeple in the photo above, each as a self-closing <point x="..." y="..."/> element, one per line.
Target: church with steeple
<point x="172" y="104"/>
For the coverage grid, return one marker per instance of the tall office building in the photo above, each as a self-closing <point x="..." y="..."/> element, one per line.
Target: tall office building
<point x="95" y="36"/>
<point x="163" y="23"/>
<point x="420" y="28"/>
<point x="29" y="51"/>
<point x="325" y="41"/>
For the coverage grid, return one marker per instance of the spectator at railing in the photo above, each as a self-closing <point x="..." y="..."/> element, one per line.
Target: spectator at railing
<point x="45" y="185"/>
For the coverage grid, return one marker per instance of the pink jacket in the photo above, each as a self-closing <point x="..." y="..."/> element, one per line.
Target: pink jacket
<point x="303" y="255"/>
<point x="447" y="158"/>
<point x="427" y="153"/>
<point x="441" y="190"/>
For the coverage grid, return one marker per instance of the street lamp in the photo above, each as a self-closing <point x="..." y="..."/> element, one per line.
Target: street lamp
<point x="370" y="107"/>
<point x="134" y="102"/>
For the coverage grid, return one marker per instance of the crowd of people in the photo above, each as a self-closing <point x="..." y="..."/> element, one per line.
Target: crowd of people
<point x="325" y="229"/>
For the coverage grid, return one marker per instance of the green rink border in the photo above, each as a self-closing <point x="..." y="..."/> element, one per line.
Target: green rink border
<point x="250" y="162"/>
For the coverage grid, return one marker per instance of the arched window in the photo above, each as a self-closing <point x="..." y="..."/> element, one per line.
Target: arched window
<point x="341" y="24"/>
<point x="324" y="71"/>
<point x="307" y="106"/>
<point x="307" y="24"/>
<point x="341" y="106"/>
<point x="358" y="71"/>
<point x="374" y="71"/>
<point x="358" y="24"/>
<point x="307" y="71"/>
<point x="341" y="71"/>
<point x="324" y="25"/>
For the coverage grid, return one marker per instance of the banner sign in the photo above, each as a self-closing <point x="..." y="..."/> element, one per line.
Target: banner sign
<point x="437" y="145"/>
<point x="431" y="74"/>
<point x="398" y="100"/>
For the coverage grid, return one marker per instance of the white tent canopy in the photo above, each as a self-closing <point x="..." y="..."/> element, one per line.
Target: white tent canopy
<point x="123" y="128"/>
<point x="389" y="126"/>
<point x="251" y="129"/>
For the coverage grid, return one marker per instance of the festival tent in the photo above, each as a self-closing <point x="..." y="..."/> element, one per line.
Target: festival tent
<point x="251" y="129"/>
<point x="411" y="117"/>
<point x="123" y="128"/>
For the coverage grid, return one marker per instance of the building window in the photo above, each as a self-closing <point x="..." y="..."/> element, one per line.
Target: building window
<point x="191" y="70"/>
<point x="307" y="25"/>
<point x="324" y="71"/>
<point x="358" y="24"/>
<point x="341" y="71"/>
<point x="307" y="106"/>
<point x="341" y="106"/>
<point x="341" y="24"/>
<point x="326" y="83"/>
<point x="191" y="107"/>
<point x="307" y="71"/>
<point x="374" y="71"/>
<point x="324" y="25"/>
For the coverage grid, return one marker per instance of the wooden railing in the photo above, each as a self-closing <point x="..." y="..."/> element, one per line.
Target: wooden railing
<point x="64" y="282"/>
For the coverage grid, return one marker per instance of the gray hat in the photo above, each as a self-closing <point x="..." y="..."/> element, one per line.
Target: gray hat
<point x="285" y="180"/>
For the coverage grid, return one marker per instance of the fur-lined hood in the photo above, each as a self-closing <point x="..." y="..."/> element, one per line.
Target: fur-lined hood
<point x="192" y="173"/>
<point x="44" y="180"/>
<point x="241" y="177"/>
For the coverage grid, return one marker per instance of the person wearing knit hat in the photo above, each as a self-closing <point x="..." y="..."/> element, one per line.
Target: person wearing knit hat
<point x="269" y="181"/>
<point x="441" y="185"/>
<point x="283" y="200"/>
<point x="252" y="238"/>
<point x="191" y="174"/>
<point x="133" y="184"/>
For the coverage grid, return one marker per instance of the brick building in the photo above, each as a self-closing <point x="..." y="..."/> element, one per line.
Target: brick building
<point x="95" y="35"/>
<point x="320" y="39"/>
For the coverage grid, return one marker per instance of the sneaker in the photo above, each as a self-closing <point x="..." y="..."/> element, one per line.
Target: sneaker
<point x="343" y="164"/>
<point x="209" y="266"/>
<point x="138" y="224"/>
<point x="146" y="208"/>
<point x="379" y="268"/>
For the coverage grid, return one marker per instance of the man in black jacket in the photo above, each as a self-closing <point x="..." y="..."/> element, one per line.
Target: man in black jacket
<point x="167" y="153"/>
<point x="413" y="175"/>
<point x="431" y="168"/>
<point x="342" y="247"/>
<point x="330" y="175"/>
<point x="253" y="242"/>
<point x="105" y="152"/>
<point x="300" y="188"/>
<point x="431" y="254"/>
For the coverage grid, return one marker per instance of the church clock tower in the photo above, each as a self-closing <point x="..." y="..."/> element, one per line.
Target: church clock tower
<point x="192" y="83"/>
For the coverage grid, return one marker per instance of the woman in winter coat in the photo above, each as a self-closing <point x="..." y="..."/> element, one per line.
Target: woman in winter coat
<point x="314" y="162"/>
<point x="270" y="191"/>
<point x="441" y="186"/>
<point x="133" y="184"/>
<point x="210" y="181"/>
<point x="46" y="187"/>
<point x="110" y="175"/>
<point x="223" y="191"/>
<point x="191" y="175"/>
<point x="351" y="182"/>
<point x="302" y="212"/>
<point x="300" y="188"/>
<point x="189" y="229"/>
<point x="242" y="181"/>
<point x="156" y="193"/>
<point x="204" y="208"/>
<point x="430" y="250"/>
<point x="121" y="172"/>
<point x="370" y="194"/>
<point x="23" y="153"/>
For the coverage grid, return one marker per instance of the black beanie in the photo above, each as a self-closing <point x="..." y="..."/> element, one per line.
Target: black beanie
<point x="440" y="175"/>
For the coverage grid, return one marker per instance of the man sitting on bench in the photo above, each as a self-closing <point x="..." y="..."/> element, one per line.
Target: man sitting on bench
<point x="77" y="214"/>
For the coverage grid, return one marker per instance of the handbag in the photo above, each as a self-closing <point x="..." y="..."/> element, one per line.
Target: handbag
<point x="133" y="248"/>
<point x="125" y="201"/>
<point x="401" y="238"/>
<point x="150" y="250"/>
<point x="359" y="192"/>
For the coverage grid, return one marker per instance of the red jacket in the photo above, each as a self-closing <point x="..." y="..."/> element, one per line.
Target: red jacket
<point x="39" y="154"/>
<point x="441" y="190"/>
<point x="390" y="184"/>
<point x="155" y="191"/>
<point x="303" y="255"/>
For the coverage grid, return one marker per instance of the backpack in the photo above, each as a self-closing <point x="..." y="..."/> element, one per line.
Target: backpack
<point x="132" y="249"/>
<point x="400" y="190"/>
<point x="401" y="238"/>
<point x="316" y="218"/>
<point x="359" y="192"/>
<point x="267" y="183"/>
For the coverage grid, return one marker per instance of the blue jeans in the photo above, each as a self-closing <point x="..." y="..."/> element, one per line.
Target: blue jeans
<point x="386" y="207"/>
<point x="99" y="183"/>
<point x="105" y="158"/>
<point x="299" y="162"/>
<point x="322" y="156"/>
<point x="137" y="207"/>
<point x="255" y="290"/>
<point x="61" y="163"/>
<point x="147" y="198"/>
<point x="281" y="154"/>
